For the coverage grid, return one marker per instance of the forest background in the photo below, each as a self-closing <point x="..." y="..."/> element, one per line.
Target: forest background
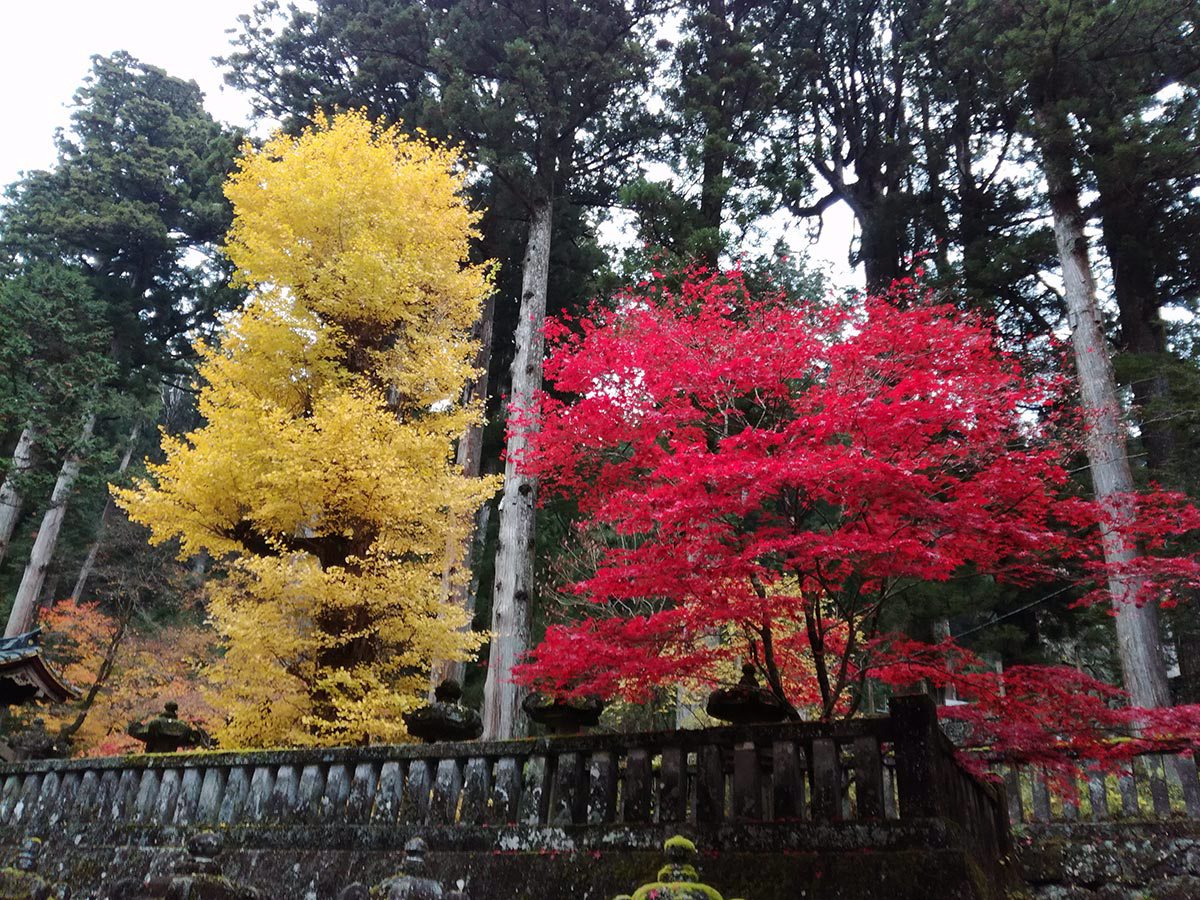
<point x="622" y="138"/>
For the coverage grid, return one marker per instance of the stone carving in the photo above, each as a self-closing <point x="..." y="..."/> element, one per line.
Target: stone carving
<point x="196" y="878"/>
<point x="21" y="880"/>
<point x="678" y="879"/>
<point x="412" y="884"/>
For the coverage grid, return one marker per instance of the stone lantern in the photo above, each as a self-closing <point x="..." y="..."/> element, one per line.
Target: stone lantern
<point x="413" y="883"/>
<point x="563" y="716"/>
<point x="446" y="719"/>
<point x="678" y="879"/>
<point x="196" y="878"/>
<point x="166" y="732"/>
<point x="746" y="702"/>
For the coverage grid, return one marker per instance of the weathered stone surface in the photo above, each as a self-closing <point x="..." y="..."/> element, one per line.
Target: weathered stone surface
<point x="1112" y="861"/>
<point x="22" y="881"/>
<point x="913" y="861"/>
<point x="198" y="877"/>
<point x="551" y="819"/>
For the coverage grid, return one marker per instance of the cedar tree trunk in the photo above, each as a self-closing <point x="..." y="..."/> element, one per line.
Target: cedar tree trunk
<point x="24" y="605"/>
<point x="513" y="590"/>
<point x="1138" y="639"/>
<point x="11" y="500"/>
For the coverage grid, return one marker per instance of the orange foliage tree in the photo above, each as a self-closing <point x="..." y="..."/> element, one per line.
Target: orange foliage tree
<point x="124" y="673"/>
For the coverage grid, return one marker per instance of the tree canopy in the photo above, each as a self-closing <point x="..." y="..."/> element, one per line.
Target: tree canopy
<point x="783" y="472"/>
<point x="323" y="472"/>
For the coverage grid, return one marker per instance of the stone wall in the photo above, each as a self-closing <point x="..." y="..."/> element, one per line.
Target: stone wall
<point x="898" y="861"/>
<point x="1112" y="861"/>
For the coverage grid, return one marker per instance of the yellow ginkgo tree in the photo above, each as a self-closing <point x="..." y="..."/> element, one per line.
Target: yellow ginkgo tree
<point x="323" y="476"/>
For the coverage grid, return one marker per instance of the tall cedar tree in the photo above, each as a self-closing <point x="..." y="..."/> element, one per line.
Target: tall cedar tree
<point x="134" y="205"/>
<point x="1054" y="56"/>
<point x="550" y="93"/>
<point x="54" y="352"/>
<point x="848" y="117"/>
<point x="720" y="101"/>
<point x="324" y="475"/>
<point x="1139" y="149"/>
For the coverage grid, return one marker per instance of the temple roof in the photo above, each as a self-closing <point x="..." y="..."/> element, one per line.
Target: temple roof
<point x="25" y="675"/>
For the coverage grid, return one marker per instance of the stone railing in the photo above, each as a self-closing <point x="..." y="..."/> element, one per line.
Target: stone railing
<point x="868" y="769"/>
<point x="777" y="805"/>
<point x="1155" y="787"/>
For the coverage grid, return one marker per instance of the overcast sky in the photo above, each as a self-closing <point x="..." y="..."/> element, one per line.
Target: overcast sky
<point x="50" y="43"/>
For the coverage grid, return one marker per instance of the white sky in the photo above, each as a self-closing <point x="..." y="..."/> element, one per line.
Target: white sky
<point x="50" y="43"/>
<point x="48" y="46"/>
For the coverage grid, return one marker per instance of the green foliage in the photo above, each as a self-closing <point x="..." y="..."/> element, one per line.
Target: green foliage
<point x="109" y="269"/>
<point x="134" y="204"/>
<point x="54" y="345"/>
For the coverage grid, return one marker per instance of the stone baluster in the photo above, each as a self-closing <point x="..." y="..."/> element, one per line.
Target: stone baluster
<point x="168" y="797"/>
<point x="636" y="805"/>
<point x="212" y="789"/>
<point x="309" y="793"/>
<point x="146" y="796"/>
<point x="787" y="781"/>
<point x="285" y="792"/>
<point x="233" y="799"/>
<point x="506" y="792"/>
<point x="417" y="789"/>
<point x="64" y="806"/>
<point x="47" y="799"/>
<point x="710" y="785"/>
<point x="568" y="802"/>
<point x="362" y="792"/>
<point x="1040" y="794"/>
<point x="87" y="796"/>
<point x="1127" y="788"/>
<point x="1012" y="791"/>
<point x="389" y="794"/>
<point x="1184" y="770"/>
<point x="477" y="778"/>
<point x="27" y="800"/>
<point x="747" y="783"/>
<point x="535" y="793"/>
<point x="868" y="778"/>
<point x="1159" y="796"/>
<point x="602" y="788"/>
<point x="673" y="786"/>
<point x="124" y="806"/>
<point x="9" y="796"/>
<point x="191" y="784"/>
<point x="1097" y="786"/>
<point x="447" y="785"/>
<point x="262" y="786"/>
<point x="826" y="781"/>
<point x="337" y="792"/>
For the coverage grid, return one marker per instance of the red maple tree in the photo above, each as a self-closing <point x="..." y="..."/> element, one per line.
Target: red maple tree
<point x="782" y="471"/>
